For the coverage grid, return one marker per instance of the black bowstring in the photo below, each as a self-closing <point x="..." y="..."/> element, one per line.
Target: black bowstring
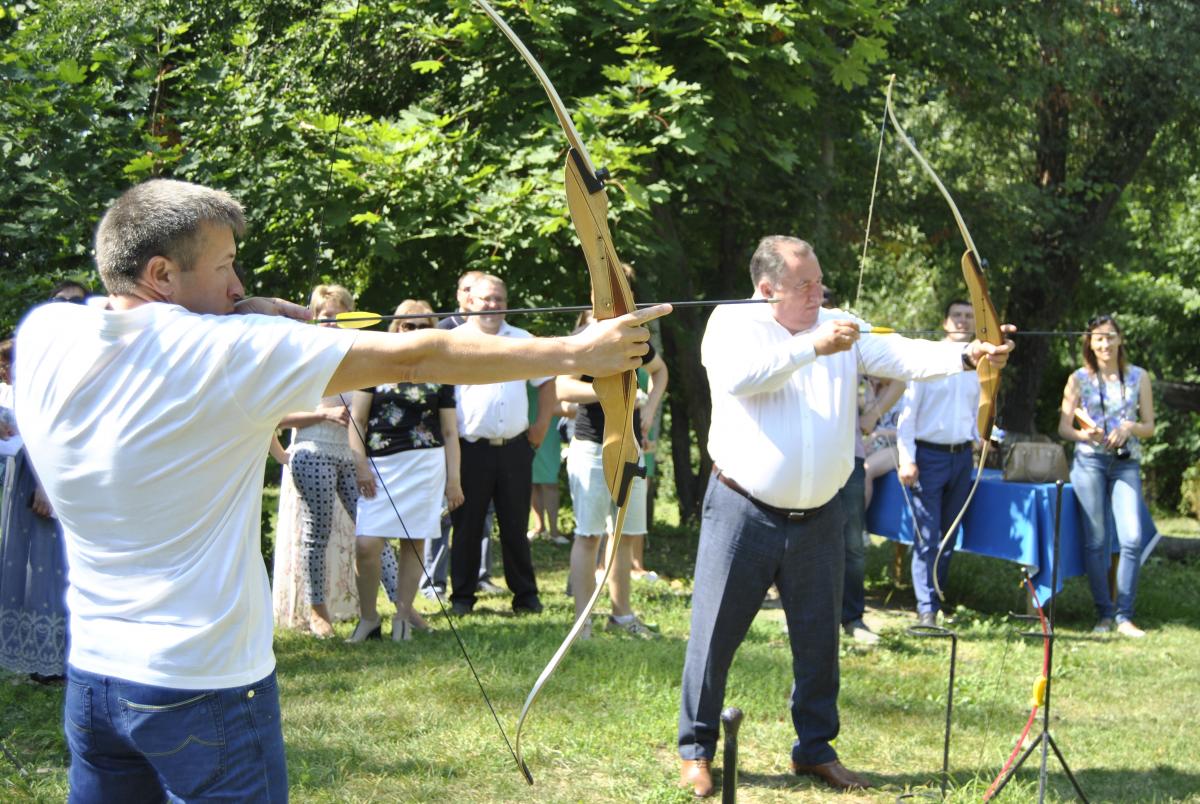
<point x="425" y="571"/>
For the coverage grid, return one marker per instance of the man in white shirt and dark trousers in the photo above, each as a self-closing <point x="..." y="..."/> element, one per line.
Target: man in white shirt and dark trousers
<point x="437" y="551"/>
<point x="498" y="445"/>
<point x="147" y="421"/>
<point x="935" y="433"/>
<point x="784" y="391"/>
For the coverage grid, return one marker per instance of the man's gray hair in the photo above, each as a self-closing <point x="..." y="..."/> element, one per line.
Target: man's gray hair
<point x="490" y="278"/>
<point x="770" y="257"/>
<point x="158" y="218"/>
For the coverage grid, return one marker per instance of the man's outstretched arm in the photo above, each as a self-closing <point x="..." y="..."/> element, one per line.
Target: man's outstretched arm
<point x="464" y="358"/>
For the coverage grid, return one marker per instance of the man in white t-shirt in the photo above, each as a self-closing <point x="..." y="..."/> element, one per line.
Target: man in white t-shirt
<point x="147" y="422"/>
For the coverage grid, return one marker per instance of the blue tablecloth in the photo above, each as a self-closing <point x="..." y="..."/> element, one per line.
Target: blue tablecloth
<point x="1012" y="521"/>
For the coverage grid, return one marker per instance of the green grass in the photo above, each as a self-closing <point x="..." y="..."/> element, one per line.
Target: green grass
<point x="406" y="722"/>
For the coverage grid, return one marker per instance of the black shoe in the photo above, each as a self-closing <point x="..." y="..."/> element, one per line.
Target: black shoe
<point x="928" y="618"/>
<point x="534" y="607"/>
<point x="460" y="609"/>
<point x="50" y="681"/>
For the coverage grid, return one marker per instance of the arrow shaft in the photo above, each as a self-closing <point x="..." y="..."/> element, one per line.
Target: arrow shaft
<point x="580" y="308"/>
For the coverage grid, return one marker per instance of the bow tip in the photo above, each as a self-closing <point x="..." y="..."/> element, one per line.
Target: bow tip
<point x="525" y="770"/>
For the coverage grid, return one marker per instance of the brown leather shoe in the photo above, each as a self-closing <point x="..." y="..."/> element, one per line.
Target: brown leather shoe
<point x="835" y="774"/>
<point x="697" y="774"/>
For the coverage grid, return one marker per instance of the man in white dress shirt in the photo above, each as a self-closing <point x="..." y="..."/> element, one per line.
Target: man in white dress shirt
<point x="498" y="444"/>
<point x="934" y="436"/>
<point x="783" y="381"/>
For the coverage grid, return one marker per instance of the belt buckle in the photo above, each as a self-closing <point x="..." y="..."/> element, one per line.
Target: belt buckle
<point x="798" y="516"/>
<point x="495" y="442"/>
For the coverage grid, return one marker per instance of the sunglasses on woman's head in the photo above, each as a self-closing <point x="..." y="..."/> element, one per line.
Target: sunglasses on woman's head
<point x="69" y="299"/>
<point x="409" y="327"/>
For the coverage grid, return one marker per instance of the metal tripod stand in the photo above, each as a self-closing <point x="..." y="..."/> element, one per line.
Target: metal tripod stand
<point x="1044" y="738"/>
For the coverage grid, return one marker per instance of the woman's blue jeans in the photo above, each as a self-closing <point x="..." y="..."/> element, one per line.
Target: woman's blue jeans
<point x="1105" y="484"/>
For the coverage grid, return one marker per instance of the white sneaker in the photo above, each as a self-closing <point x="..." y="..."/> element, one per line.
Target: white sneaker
<point x="859" y="632"/>
<point x="489" y="588"/>
<point x="1105" y="626"/>
<point x="1127" y="628"/>
<point x="634" y="627"/>
<point x="401" y="629"/>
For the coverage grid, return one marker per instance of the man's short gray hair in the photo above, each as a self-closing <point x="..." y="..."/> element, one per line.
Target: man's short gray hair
<point x="158" y="218"/>
<point x="770" y="257"/>
<point x="490" y="278"/>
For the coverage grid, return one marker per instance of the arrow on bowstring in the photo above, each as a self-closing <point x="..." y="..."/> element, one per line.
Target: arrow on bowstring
<point x="360" y="319"/>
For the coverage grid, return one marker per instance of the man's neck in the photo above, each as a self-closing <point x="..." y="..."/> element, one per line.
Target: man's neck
<point x="479" y="323"/>
<point x="128" y="301"/>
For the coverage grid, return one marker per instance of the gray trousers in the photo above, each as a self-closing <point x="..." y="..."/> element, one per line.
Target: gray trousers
<point x="743" y="550"/>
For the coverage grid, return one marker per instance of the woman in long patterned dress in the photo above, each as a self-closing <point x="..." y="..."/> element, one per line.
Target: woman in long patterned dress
<point x="33" y="562"/>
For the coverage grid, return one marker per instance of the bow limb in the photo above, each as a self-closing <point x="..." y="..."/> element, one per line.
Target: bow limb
<point x="611" y="297"/>
<point x="987" y="328"/>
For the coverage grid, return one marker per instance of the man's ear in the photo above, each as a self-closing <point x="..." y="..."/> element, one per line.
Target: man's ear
<point x="161" y="276"/>
<point x="765" y="289"/>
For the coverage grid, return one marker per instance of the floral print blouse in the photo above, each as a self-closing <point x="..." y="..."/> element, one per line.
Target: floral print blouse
<point x="404" y="416"/>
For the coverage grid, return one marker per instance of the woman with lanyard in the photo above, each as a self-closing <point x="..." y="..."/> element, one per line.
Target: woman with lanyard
<point x="1111" y="402"/>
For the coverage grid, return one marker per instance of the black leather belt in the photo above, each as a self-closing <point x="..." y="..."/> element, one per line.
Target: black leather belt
<point x="499" y="442"/>
<point x="790" y="514"/>
<point x="965" y="445"/>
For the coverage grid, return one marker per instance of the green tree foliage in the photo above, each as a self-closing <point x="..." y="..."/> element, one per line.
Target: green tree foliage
<point x="391" y="145"/>
<point x="1062" y="123"/>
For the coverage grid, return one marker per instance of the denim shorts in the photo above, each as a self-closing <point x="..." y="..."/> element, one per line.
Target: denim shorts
<point x="138" y="742"/>
<point x="595" y="513"/>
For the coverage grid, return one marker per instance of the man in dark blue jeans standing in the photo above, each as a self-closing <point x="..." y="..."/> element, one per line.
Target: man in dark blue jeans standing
<point x="936" y="431"/>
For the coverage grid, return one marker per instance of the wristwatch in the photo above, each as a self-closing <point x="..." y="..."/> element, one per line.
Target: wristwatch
<point x="968" y="364"/>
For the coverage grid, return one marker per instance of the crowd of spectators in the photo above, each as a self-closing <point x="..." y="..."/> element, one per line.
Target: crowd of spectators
<point x="438" y="467"/>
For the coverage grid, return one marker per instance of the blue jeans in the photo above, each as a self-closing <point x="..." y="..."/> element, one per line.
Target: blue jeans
<point x="854" y="597"/>
<point x="136" y="742"/>
<point x="1103" y="484"/>
<point x="943" y="483"/>
<point x="437" y="555"/>
<point x="743" y="550"/>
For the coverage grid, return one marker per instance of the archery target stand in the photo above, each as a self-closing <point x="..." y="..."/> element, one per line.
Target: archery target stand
<point x="938" y="632"/>
<point x="1044" y="738"/>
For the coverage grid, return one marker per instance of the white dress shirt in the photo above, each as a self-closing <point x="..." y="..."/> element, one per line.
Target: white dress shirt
<point x="942" y="411"/>
<point x="495" y="410"/>
<point x="784" y="420"/>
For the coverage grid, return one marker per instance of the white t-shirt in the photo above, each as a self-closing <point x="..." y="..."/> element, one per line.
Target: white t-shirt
<point x="148" y="429"/>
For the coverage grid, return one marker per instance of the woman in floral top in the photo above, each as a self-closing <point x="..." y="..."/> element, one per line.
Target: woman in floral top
<point x="1110" y="401"/>
<point x="406" y="442"/>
